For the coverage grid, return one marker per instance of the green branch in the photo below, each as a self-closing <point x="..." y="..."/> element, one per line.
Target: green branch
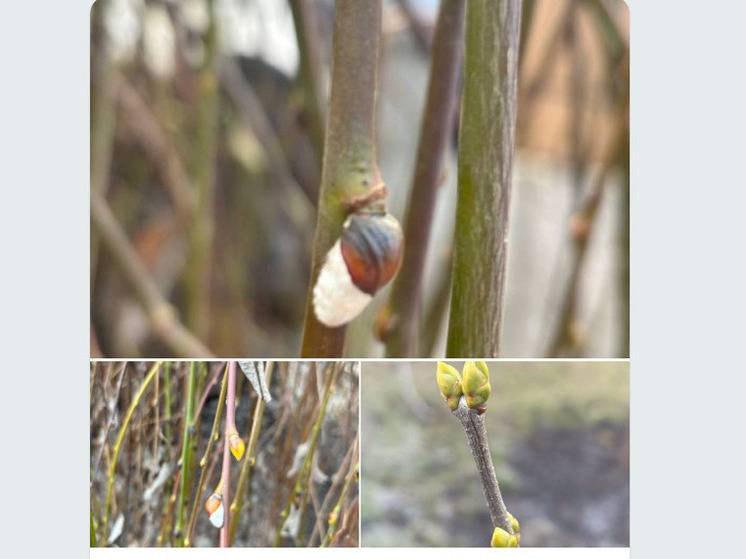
<point x="486" y="144"/>
<point x="118" y="446"/>
<point x="350" y="170"/>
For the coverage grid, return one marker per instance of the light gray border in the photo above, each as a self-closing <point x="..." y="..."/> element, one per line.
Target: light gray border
<point x="688" y="276"/>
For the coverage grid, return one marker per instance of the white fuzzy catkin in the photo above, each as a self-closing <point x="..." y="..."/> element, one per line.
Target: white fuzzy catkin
<point x="336" y="299"/>
<point x="218" y="516"/>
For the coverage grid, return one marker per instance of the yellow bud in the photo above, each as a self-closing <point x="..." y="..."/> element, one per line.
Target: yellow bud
<point x="476" y="384"/>
<point x="449" y="384"/>
<point x="515" y="525"/>
<point x="236" y="445"/>
<point x="333" y="516"/>
<point x="501" y="538"/>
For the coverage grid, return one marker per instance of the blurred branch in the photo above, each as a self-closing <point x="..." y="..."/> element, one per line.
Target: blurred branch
<point x="423" y="38"/>
<point x="403" y="309"/>
<point x="118" y="446"/>
<point x="550" y="55"/>
<point x="337" y="479"/>
<point x="104" y="86"/>
<point x="143" y="124"/>
<point x="186" y="454"/>
<point x="577" y="86"/>
<point x="486" y="146"/>
<point x="201" y="232"/>
<point x="527" y="18"/>
<point x="309" y="43"/>
<point x="255" y="118"/>
<point x="333" y="518"/>
<point x="350" y="168"/>
<point x="244" y="478"/>
<point x="434" y="316"/>
<point x="614" y="42"/>
<point x="160" y="313"/>
<point x="567" y="337"/>
<point x="300" y="487"/>
<point x="225" y="475"/>
<point x="214" y="436"/>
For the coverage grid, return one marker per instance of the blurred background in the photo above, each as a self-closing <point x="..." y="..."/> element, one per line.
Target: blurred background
<point x="559" y="437"/>
<point x="211" y="176"/>
<point x="149" y="470"/>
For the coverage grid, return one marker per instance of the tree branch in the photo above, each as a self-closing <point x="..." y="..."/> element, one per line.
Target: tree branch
<point x="350" y="169"/>
<point x="160" y="313"/>
<point x="486" y="144"/>
<point x="403" y="310"/>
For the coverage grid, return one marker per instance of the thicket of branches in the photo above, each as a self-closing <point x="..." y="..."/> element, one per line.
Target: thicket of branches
<point x="206" y="173"/>
<point x="159" y="449"/>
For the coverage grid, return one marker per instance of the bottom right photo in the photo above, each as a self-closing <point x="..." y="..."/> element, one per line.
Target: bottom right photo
<point x="501" y="453"/>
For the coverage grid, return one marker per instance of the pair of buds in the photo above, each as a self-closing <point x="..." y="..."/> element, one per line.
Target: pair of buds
<point x="365" y="258"/>
<point x="214" y="504"/>
<point x="501" y="538"/>
<point x="473" y="384"/>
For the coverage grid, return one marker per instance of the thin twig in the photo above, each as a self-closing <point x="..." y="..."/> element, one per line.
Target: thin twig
<point x="203" y="461"/>
<point x="334" y="515"/>
<point x="143" y="124"/>
<point x="202" y="230"/>
<point x="160" y="313"/>
<point x="476" y="437"/>
<point x="403" y="309"/>
<point x="225" y="476"/>
<point x="118" y="445"/>
<point x="337" y="479"/>
<point x="243" y="484"/>
<point x="301" y="483"/>
<point x="309" y="43"/>
<point x="185" y="450"/>
<point x="422" y="35"/>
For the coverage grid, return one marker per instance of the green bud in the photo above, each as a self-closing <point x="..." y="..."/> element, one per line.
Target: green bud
<point x="449" y="384"/>
<point x="501" y="538"/>
<point x="476" y="384"/>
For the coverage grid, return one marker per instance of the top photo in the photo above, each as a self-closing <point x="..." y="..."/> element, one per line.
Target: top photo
<point x="359" y="179"/>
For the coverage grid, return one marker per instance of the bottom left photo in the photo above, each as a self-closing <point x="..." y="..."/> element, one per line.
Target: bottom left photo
<point x="223" y="454"/>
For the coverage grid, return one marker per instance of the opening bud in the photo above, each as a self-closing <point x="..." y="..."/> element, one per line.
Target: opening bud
<point x="449" y="384"/>
<point x="501" y="538"/>
<point x="476" y="384"/>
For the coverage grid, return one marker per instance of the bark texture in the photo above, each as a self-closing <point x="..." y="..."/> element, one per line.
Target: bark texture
<point x="486" y="145"/>
<point x="350" y="170"/>
<point x="476" y="437"/>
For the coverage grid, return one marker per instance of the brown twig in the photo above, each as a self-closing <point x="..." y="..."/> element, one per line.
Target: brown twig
<point x="143" y="124"/>
<point x="422" y="35"/>
<point x="160" y="313"/>
<point x="403" y="309"/>
<point x="307" y="33"/>
<point x="567" y="339"/>
<point x="476" y="436"/>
